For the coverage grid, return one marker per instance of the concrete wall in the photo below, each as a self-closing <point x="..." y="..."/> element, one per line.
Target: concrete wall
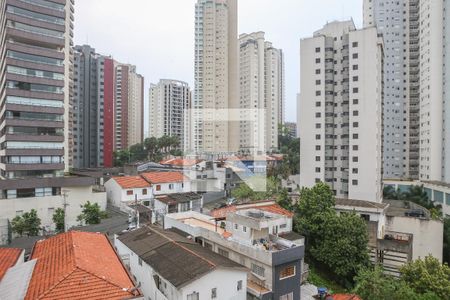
<point x="427" y="237"/>
<point x="118" y="196"/>
<point x="46" y="206"/>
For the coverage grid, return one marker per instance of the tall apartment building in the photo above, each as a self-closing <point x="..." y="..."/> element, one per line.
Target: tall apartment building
<point x="107" y="108"/>
<point x="93" y="109"/>
<point x="35" y="87"/>
<point x="129" y="106"/>
<point x="398" y="22"/>
<point x="341" y="110"/>
<point x="170" y="101"/>
<point x="216" y="76"/>
<point x="261" y="75"/>
<point x="426" y="75"/>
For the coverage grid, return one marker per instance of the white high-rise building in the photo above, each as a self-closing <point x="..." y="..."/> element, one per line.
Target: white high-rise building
<point x="415" y="34"/>
<point x="261" y="93"/>
<point x="168" y="114"/>
<point x="216" y="76"/>
<point x="398" y="22"/>
<point x="341" y="110"/>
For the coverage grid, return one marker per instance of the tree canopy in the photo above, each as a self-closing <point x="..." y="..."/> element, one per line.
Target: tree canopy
<point x="29" y="223"/>
<point x="59" y="219"/>
<point x="91" y="213"/>
<point x="152" y="149"/>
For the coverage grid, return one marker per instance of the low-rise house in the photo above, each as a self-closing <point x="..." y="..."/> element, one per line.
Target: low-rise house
<point x="399" y="231"/>
<point x="173" y="203"/>
<point x="125" y="190"/>
<point x="9" y="257"/>
<point x="167" y="182"/>
<point x="171" y="267"/>
<point x="275" y="263"/>
<point x="77" y="265"/>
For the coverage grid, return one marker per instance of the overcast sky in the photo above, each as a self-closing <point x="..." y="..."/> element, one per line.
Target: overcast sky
<point x="158" y="35"/>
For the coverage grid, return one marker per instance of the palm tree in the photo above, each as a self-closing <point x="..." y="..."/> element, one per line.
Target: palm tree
<point x="390" y="193"/>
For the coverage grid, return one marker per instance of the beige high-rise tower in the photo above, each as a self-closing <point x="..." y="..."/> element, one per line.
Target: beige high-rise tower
<point x="216" y="77"/>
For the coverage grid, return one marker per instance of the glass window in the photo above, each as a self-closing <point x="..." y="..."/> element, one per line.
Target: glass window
<point x="34" y="101"/>
<point x="213" y="293"/>
<point x="34" y="29"/>
<point x="239" y="285"/>
<point x="23" y="115"/>
<point x="34" y="145"/>
<point x="35" y="15"/>
<point x="47" y="4"/>
<point x="287" y="272"/>
<point x="193" y="296"/>
<point x="130" y="192"/>
<point x="34" y="58"/>
<point x="34" y="73"/>
<point x="34" y="87"/>
<point x="438" y="196"/>
<point x="258" y="270"/>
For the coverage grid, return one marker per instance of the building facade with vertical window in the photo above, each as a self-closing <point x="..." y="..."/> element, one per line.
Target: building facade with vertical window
<point x="169" y="115"/>
<point x="341" y="110"/>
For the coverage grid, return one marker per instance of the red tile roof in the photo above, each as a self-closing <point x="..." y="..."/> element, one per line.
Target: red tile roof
<point x="78" y="265"/>
<point x="164" y="177"/>
<point x="131" y="182"/>
<point x="8" y="259"/>
<point x="272" y="208"/>
<point x="181" y="162"/>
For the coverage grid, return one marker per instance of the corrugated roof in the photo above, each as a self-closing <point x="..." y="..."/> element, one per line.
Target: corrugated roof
<point x="131" y="182"/>
<point x="78" y="265"/>
<point x="164" y="177"/>
<point x="360" y="203"/>
<point x="179" y="162"/>
<point x="8" y="258"/>
<point x="272" y="208"/>
<point x="175" y="258"/>
<point x="178" y="197"/>
<point x="14" y="284"/>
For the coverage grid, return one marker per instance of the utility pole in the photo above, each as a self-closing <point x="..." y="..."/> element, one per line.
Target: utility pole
<point x="136" y="210"/>
<point x="64" y="194"/>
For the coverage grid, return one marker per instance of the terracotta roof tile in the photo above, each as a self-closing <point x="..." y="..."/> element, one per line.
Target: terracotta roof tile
<point x="78" y="265"/>
<point x="164" y="177"/>
<point x="346" y="297"/>
<point x="131" y="182"/>
<point x="8" y="258"/>
<point x="276" y="209"/>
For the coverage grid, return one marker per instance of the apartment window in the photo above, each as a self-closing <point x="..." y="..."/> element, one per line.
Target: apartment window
<point x="223" y="252"/>
<point x="355" y="55"/>
<point x="317" y="158"/>
<point x="289" y="296"/>
<point x="171" y="186"/>
<point x="318" y="125"/>
<point x="355" y="101"/>
<point x="355" y="78"/>
<point x="244" y="228"/>
<point x="355" y="67"/>
<point x="317" y="71"/>
<point x="355" y="90"/>
<point x="144" y="191"/>
<point x="317" y="170"/>
<point x="355" y="136"/>
<point x="318" y="82"/>
<point x="34" y="58"/>
<point x="318" y="147"/>
<point x="193" y="296"/>
<point x="355" y="113"/>
<point x="318" y="93"/>
<point x="139" y="261"/>
<point x="355" y="147"/>
<point x="129" y="192"/>
<point x="158" y="187"/>
<point x="317" y="60"/>
<point x="318" y="115"/>
<point x="317" y="49"/>
<point x="355" y="124"/>
<point x="355" y="44"/>
<point x="317" y="136"/>
<point x="318" y="104"/>
<point x="258" y="270"/>
<point x="355" y="159"/>
<point x="236" y="226"/>
<point x="354" y="182"/>
<point x="355" y="171"/>
<point x="287" y="272"/>
<point x="239" y="285"/>
<point x="213" y="293"/>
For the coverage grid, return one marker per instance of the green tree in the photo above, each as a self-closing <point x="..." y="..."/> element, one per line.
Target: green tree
<point x="390" y="193"/>
<point x="29" y="223"/>
<point x="59" y="219"/>
<point x="446" y="256"/>
<point x="373" y="284"/>
<point x="428" y="275"/>
<point x="91" y="213"/>
<point x="343" y="245"/>
<point x="284" y="200"/>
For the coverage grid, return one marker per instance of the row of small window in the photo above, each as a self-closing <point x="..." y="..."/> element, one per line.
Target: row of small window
<point x="35" y="131"/>
<point x="319" y="104"/>
<point x="319" y="82"/>
<point x="318" y="60"/>
<point x="34" y="29"/>
<point x="355" y="125"/>
<point x="32" y="174"/>
<point x="34" y="15"/>
<point x="354" y="158"/>
<point x="34" y="73"/>
<point x="34" y="87"/>
<point x="33" y="192"/>
<point x="196" y="295"/>
<point x="334" y="169"/>
<point x="355" y="113"/>
<point x="354" y="45"/>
